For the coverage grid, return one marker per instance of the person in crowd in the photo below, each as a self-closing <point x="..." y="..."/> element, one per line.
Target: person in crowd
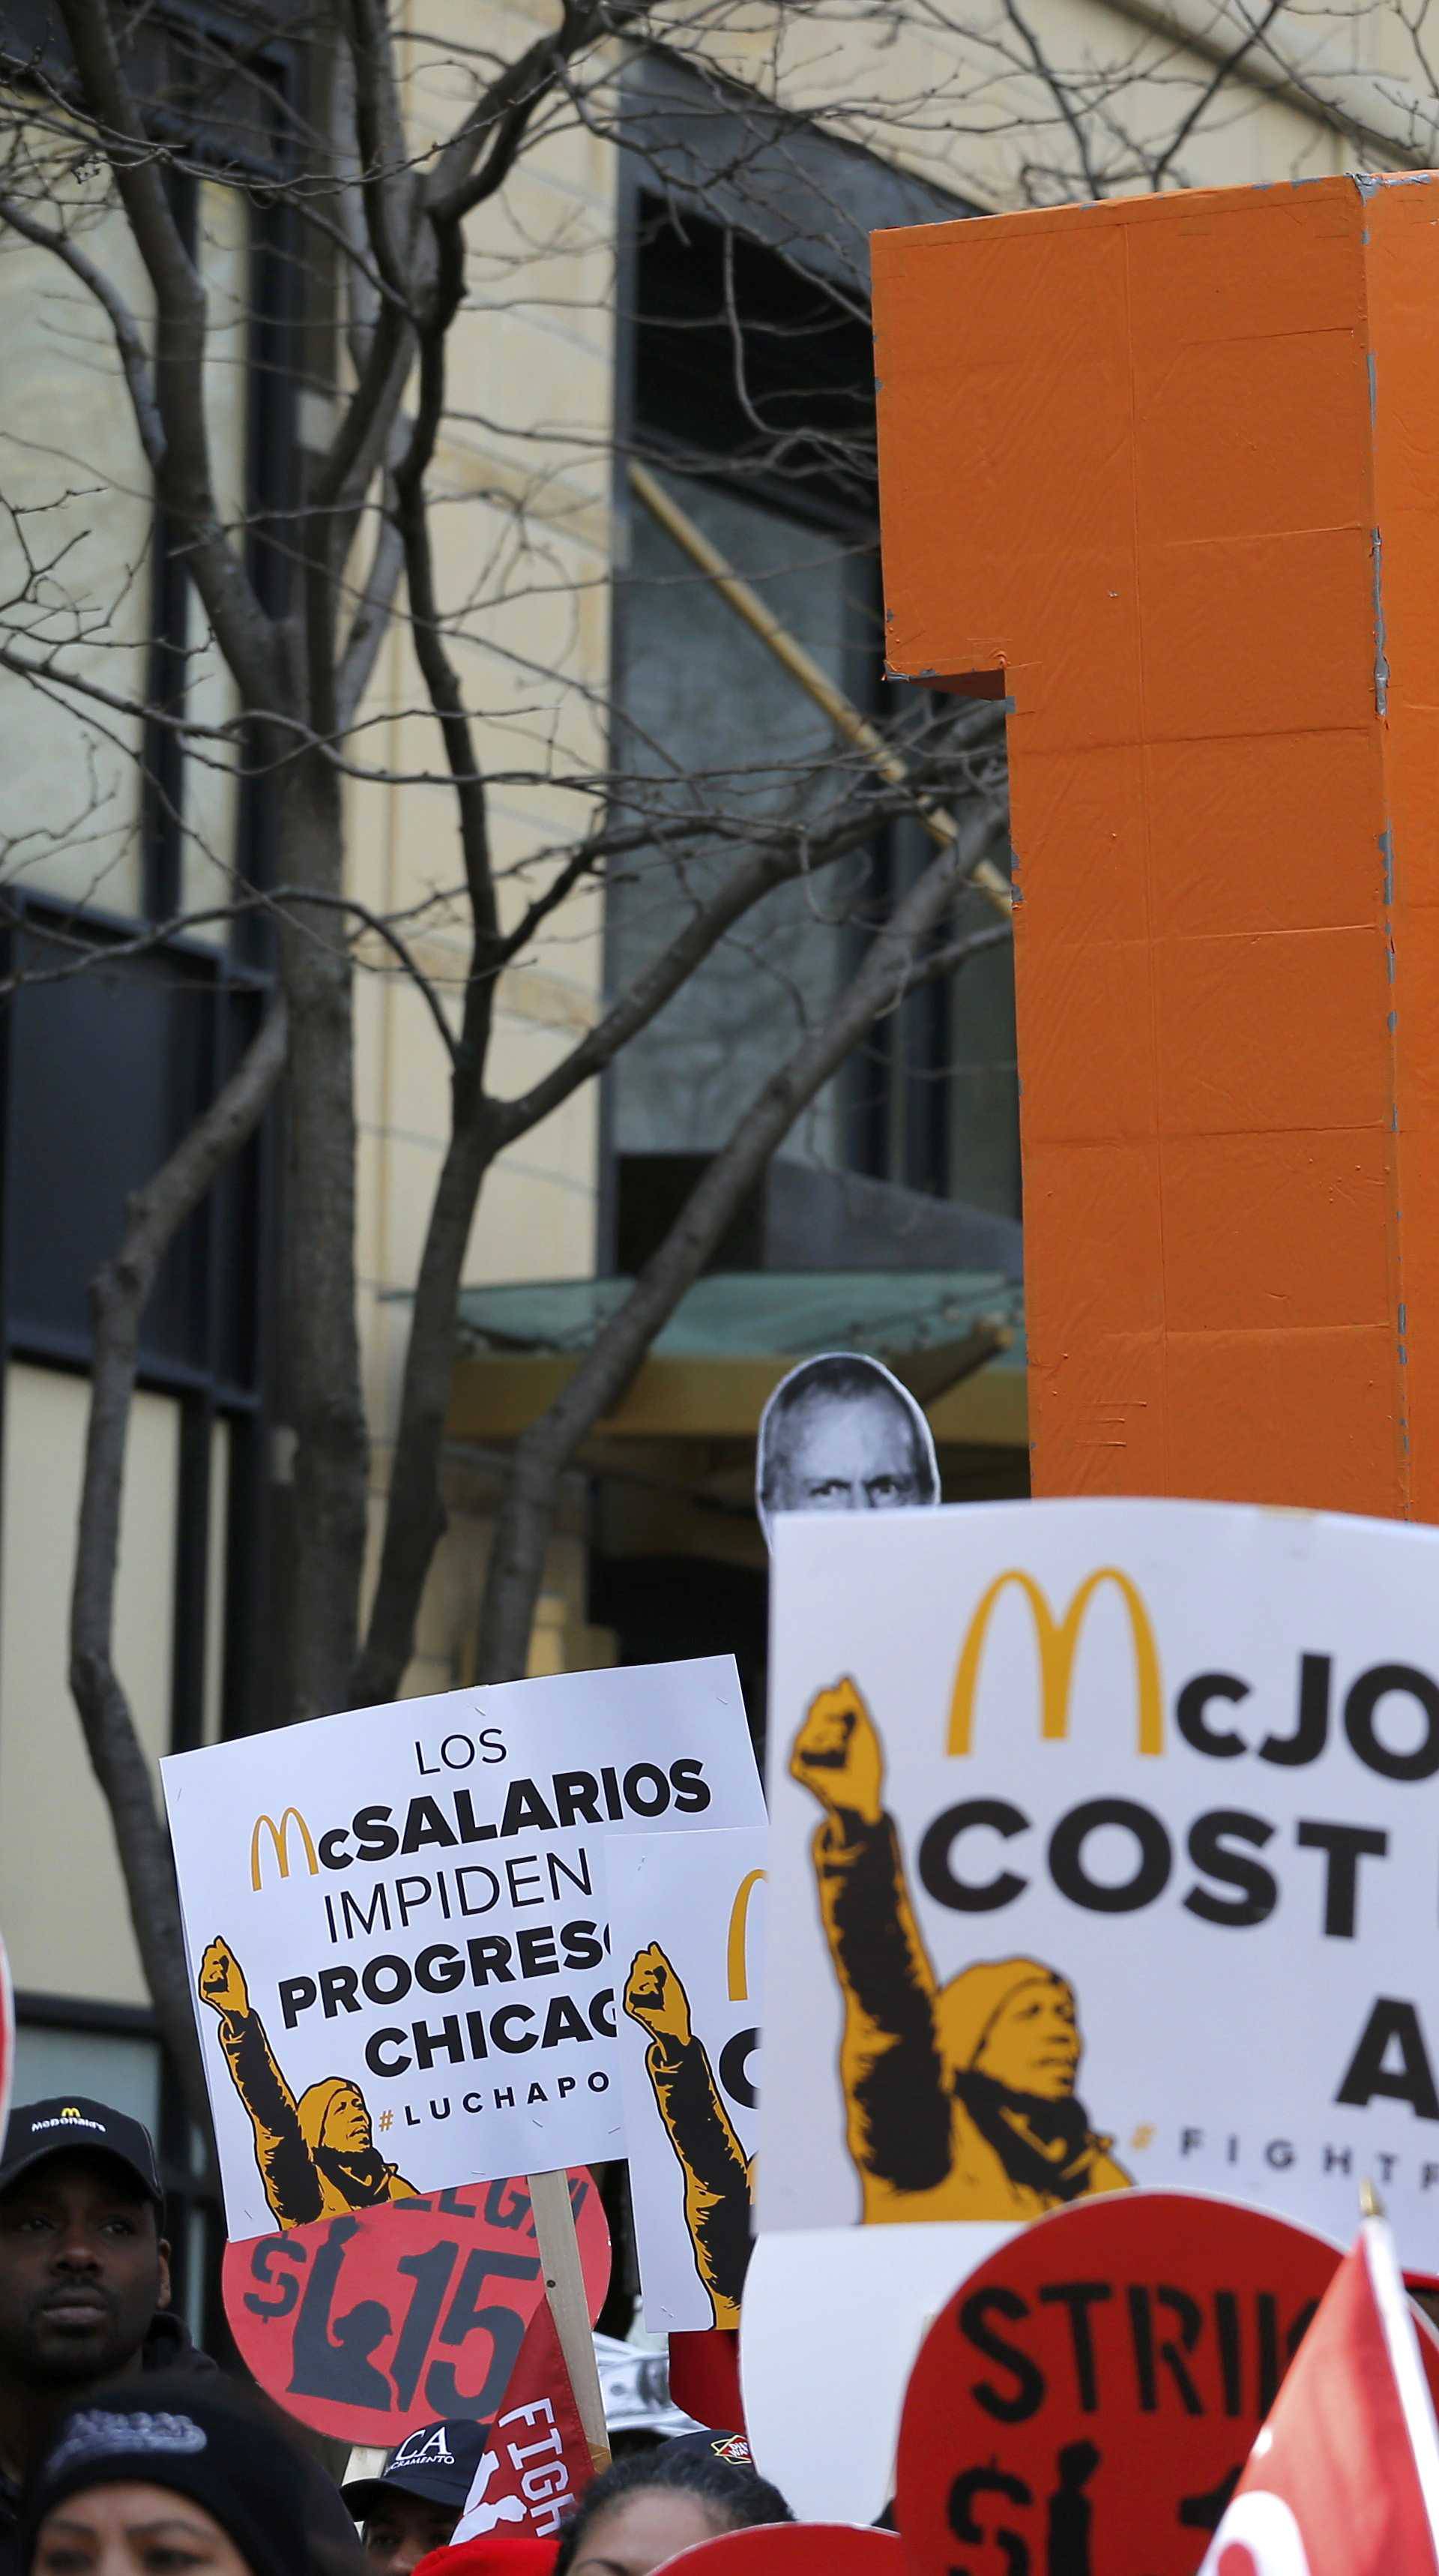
<point x="414" y="2504"/>
<point x="84" y="2275"/>
<point x="85" y="2288"/>
<point x="172" y="2471"/>
<point x="840" y="1434"/>
<point x="643" y="2511"/>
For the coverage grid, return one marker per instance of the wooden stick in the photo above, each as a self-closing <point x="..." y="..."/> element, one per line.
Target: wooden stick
<point x="816" y="683"/>
<point x="565" y="2290"/>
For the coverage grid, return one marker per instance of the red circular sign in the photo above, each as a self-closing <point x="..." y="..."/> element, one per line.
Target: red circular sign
<point x="796" y="2549"/>
<point x="369" y="2325"/>
<point x="1089" y="2395"/>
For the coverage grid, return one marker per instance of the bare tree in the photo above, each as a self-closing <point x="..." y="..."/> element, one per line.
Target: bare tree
<point x="302" y="597"/>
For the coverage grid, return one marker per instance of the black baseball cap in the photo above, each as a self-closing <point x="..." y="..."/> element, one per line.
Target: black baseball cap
<point x="438" y="2463"/>
<point x="39" y="2130"/>
<point x="703" y="2445"/>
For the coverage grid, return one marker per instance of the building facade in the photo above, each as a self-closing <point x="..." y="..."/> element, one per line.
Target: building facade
<point x="674" y="277"/>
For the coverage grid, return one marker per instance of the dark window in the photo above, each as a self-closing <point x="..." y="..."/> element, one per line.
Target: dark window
<point x="750" y="396"/>
<point x="107" y="1070"/>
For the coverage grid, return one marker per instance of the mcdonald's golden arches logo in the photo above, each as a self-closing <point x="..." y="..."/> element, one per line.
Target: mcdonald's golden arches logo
<point x="737" y="1947"/>
<point x="1058" y="1643"/>
<point x="280" y="1843"/>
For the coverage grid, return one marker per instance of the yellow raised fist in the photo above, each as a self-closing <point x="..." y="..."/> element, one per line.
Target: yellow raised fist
<point x="222" y="1982"/>
<point x="655" y="1998"/>
<point x="837" y="1755"/>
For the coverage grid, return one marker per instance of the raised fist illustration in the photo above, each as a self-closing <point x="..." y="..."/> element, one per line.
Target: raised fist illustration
<point x="837" y="1755"/>
<point x="222" y="1982"/>
<point x="655" y="1998"/>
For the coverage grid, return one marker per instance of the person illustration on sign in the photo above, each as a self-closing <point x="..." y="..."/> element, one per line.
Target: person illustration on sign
<point x="716" y="2170"/>
<point x="959" y="2099"/>
<point x="317" y="2157"/>
<point x="840" y="1434"/>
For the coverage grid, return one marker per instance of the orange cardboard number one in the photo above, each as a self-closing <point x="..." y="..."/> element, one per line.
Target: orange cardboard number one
<point x="1165" y="474"/>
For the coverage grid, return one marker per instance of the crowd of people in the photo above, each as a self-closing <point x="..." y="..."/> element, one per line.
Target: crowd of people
<point x="126" y="2451"/>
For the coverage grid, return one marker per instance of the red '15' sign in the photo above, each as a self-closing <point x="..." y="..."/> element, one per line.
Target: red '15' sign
<point x="368" y="2325"/>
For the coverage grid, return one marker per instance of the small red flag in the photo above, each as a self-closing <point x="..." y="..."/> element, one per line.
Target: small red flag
<point x="1343" y="2479"/>
<point x="537" y="2464"/>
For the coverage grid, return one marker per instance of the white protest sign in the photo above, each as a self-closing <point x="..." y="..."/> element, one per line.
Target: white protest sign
<point x="396" y="1926"/>
<point x="1113" y="1855"/>
<point x="833" y="2318"/>
<point x="686" y="1932"/>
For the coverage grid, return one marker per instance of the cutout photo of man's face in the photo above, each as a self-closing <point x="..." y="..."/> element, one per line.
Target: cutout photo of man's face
<point x="848" y="1454"/>
<point x="841" y="1435"/>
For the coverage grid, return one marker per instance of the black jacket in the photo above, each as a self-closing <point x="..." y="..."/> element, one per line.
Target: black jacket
<point x="167" y="2346"/>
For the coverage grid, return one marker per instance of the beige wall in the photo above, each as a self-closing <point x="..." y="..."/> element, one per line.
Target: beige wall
<point x="63" y="1910"/>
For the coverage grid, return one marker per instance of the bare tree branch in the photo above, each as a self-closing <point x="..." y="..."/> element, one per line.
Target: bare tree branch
<point x="118" y="1298"/>
<point x="544" y="1451"/>
<point x="179" y="366"/>
<point x="129" y="339"/>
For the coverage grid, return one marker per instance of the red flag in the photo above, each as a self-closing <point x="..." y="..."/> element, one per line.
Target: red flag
<point x="1344" y="2478"/>
<point x="538" y="2461"/>
<point x="704" y="2377"/>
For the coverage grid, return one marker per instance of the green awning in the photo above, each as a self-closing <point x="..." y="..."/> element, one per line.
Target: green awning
<point x="758" y="1314"/>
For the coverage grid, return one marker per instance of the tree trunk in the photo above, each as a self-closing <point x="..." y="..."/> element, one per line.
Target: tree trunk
<point x="319" y="1357"/>
<point x="118" y="1297"/>
<point x="415" y="1515"/>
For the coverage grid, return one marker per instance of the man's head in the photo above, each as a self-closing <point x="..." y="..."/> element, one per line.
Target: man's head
<point x="414" y="2504"/>
<point x="839" y="1434"/>
<point x="1014" y="2021"/>
<point x="83" y="2265"/>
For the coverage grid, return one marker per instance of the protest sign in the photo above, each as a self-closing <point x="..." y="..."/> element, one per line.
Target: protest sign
<point x="831" y="2322"/>
<point x="396" y="1926"/>
<point x="636" y="2384"/>
<point x="686" y="1931"/>
<point x="1092" y="2391"/>
<point x="372" y="2323"/>
<point x="1095" y="1858"/>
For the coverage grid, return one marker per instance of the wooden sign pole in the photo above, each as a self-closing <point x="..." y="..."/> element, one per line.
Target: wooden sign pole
<point x="565" y="2290"/>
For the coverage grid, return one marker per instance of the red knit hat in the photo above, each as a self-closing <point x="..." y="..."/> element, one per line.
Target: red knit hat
<point x="493" y="2554"/>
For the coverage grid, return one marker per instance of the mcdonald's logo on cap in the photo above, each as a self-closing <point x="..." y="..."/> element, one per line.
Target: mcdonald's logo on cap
<point x="280" y="1841"/>
<point x="1058" y="1644"/>
<point x="737" y="1947"/>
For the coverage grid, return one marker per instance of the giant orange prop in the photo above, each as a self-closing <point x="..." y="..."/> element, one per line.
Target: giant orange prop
<point x="1165" y="473"/>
